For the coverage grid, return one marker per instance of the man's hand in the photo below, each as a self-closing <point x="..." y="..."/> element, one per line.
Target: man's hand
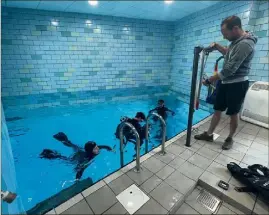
<point x="214" y="78"/>
<point x="205" y="82"/>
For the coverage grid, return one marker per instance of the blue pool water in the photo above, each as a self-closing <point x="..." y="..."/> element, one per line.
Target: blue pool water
<point x="38" y="178"/>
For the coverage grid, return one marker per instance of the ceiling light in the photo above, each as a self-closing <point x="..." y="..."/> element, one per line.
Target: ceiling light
<point x="93" y="2"/>
<point x="168" y="1"/>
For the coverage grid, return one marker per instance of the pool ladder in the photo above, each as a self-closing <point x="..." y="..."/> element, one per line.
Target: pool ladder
<point x="137" y="138"/>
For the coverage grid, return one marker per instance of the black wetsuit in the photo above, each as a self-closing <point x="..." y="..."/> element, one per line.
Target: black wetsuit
<point x="128" y="134"/>
<point x="162" y="111"/>
<point x="80" y="158"/>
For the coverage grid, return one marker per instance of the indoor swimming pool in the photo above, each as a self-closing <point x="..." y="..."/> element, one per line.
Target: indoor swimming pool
<point x="31" y="131"/>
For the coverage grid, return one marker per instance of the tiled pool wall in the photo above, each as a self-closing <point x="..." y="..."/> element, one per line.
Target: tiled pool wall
<point x="91" y="58"/>
<point x="203" y="27"/>
<point x="82" y="53"/>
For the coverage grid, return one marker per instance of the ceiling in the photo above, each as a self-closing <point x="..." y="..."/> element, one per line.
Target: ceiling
<point x="155" y="10"/>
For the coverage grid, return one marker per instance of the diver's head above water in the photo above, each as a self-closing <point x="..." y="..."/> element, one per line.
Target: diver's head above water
<point x="140" y="116"/>
<point x="91" y="148"/>
<point x="160" y="103"/>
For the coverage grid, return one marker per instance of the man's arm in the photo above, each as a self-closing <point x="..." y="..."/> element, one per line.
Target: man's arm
<point x="223" y="50"/>
<point x="152" y="110"/>
<point x="108" y="148"/>
<point x="236" y="58"/>
<point x="167" y="109"/>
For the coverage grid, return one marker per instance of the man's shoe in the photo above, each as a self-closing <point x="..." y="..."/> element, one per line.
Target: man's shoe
<point x="228" y="143"/>
<point x="204" y="136"/>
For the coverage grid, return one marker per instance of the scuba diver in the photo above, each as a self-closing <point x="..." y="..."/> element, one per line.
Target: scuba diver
<point x="81" y="158"/>
<point x="128" y="134"/>
<point x="161" y="109"/>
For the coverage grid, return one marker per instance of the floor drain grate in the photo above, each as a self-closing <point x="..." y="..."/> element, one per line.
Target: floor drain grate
<point x="209" y="201"/>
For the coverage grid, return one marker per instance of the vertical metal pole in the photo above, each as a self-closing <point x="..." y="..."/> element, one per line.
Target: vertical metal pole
<point x="164" y="136"/>
<point x="147" y="136"/>
<point x="197" y="51"/>
<point x="137" y="151"/>
<point x="121" y="145"/>
<point x="123" y="125"/>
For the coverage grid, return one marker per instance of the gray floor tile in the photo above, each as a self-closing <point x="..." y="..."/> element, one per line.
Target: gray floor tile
<point x="224" y="160"/>
<point x="176" y="163"/>
<point x="140" y="177"/>
<point x="263" y="133"/>
<point x="263" y="155"/>
<point x="240" y="198"/>
<point x="219" y="170"/>
<point x="180" y="182"/>
<point x="206" y="152"/>
<point x="120" y="184"/>
<point x="192" y="201"/>
<point x="200" y="161"/>
<point x="153" y="164"/>
<point x="248" y="159"/>
<point x="245" y="136"/>
<point x="165" y="172"/>
<point x="116" y="209"/>
<point x="243" y="141"/>
<point x="250" y="131"/>
<point x="260" y="147"/>
<point x="240" y="147"/>
<point x="216" y="145"/>
<point x="223" y="210"/>
<point x="210" y="182"/>
<point x="230" y="207"/>
<point x="252" y="126"/>
<point x="175" y="149"/>
<point x="151" y="184"/>
<point x="235" y="182"/>
<point x="190" y="170"/>
<point x="186" y="209"/>
<point x="152" y="207"/>
<point x="263" y="141"/>
<point x="261" y="208"/>
<point x="186" y="154"/>
<point x="166" y="195"/>
<point x="234" y="154"/>
<point x="80" y="208"/>
<point x="101" y="200"/>
<point x="167" y="158"/>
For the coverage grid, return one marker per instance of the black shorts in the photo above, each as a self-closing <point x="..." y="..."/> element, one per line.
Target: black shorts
<point x="231" y="97"/>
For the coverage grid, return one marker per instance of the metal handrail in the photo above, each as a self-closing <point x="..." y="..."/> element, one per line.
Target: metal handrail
<point x="123" y="125"/>
<point x="163" y="134"/>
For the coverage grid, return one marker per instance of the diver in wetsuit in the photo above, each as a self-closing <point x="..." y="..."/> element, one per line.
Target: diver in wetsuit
<point x="81" y="158"/>
<point x="129" y="136"/>
<point x="161" y="109"/>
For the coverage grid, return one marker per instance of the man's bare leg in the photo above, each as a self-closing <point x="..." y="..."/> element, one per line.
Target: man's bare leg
<point x="233" y="125"/>
<point x="214" y="122"/>
<point x="208" y="136"/>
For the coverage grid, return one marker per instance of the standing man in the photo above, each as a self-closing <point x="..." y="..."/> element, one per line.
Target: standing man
<point x="234" y="77"/>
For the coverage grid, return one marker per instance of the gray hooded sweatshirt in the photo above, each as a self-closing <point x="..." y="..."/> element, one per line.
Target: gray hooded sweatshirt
<point x="238" y="58"/>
